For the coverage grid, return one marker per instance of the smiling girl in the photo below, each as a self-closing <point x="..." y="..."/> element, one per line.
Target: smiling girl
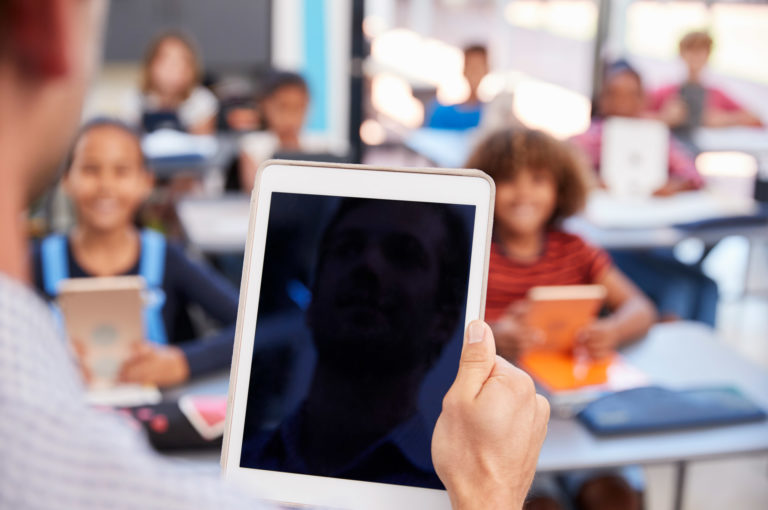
<point x="107" y="180"/>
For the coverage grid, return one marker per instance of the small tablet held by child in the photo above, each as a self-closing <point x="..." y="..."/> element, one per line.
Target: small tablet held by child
<point x="559" y="312"/>
<point x="103" y="317"/>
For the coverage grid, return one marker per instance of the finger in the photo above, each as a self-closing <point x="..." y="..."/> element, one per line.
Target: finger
<point x="140" y="347"/>
<point x="542" y="419"/>
<point x="133" y="368"/>
<point x="134" y="373"/>
<point x="79" y="347"/>
<point x="478" y="357"/>
<point x="85" y="372"/>
<point x="537" y="336"/>
<point x="514" y="379"/>
<point x="519" y="309"/>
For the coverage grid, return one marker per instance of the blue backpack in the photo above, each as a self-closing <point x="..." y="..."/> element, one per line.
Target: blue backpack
<point x="55" y="265"/>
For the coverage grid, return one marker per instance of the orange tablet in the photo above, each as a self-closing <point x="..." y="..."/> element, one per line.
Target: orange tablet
<point x="105" y="316"/>
<point x="560" y="312"/>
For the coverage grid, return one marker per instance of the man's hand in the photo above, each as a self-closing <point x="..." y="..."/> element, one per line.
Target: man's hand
<point x="513" y="335"/>
<point x="155" y="364"/>
<point x="487" y="439"/>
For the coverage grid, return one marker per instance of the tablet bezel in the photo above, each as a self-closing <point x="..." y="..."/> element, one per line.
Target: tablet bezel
<point x="453" y="186"/>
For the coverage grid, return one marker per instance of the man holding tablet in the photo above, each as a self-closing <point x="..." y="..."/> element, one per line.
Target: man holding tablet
<point x="55" y="452"/>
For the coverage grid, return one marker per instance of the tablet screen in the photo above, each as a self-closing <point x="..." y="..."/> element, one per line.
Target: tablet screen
<point x="358" y="335"/>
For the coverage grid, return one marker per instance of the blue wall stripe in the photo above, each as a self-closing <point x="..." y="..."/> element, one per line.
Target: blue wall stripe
<point x="316" y="63"/>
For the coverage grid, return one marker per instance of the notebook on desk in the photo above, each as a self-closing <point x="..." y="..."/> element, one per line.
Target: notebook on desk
<point x="570" y="383"/>
<point x="653" y="409"/>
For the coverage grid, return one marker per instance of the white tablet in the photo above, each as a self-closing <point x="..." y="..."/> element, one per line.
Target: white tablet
<point x="634" y="156"/>
<point x="357" y="285"/>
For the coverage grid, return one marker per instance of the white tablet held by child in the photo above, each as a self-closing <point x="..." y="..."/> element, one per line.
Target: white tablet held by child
<point x="103" y="317"/>
<point x="634" y="156"/>
<point x="357" y="285"/>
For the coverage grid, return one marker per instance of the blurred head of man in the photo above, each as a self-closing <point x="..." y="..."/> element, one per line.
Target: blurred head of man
<point x="48" y="53"/>
<point x="475" y="67"/>
<point x="695" y="48"/>
<point x="622" y="93"/>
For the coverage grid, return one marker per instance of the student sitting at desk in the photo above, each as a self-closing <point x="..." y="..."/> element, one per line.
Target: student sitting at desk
<point x="678" y="290"/>
<point x="622" y="95"/>
<point x="540" y="182"/>
<point x="107" y="179"/>
<point x="283" y="105"/>
<point x="467" y="114"/>
<point x="694" y="103"/>
<point x="171" y="95"/>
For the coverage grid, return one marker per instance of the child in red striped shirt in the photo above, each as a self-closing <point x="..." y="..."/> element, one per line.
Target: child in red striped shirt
<point x="539" y="183"/>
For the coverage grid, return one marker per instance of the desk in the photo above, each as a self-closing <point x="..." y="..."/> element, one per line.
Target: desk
<point x="215" y="225"/>
<point x="677" y="355"/>
<point x="743" y="139"/>
<point x="663" y="237"/>
<point x="220" y="225"/>
<point x="614" y="224"/>
<point x="222" y="150"/>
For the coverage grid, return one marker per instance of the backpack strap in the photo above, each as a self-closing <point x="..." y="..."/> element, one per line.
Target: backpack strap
<point x="152" y="269"/>
<point x="54" y="262"/>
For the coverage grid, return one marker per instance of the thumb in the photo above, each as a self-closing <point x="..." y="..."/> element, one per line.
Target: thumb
<point x="478" y="357"/>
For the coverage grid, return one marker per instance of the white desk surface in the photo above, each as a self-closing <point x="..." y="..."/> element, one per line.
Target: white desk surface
<point x="215" y="225"/>
<point x="220" y="150"/>
<point x="677" y="355"/>
<point x="744" y="139"/>
<point x="609" y="211"/>
<point x="616" y="223"/>
<point x="220" y="225"/>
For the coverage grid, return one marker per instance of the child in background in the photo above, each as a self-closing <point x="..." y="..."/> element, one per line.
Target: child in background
<point x="283" y="104"/>
<point x="622" y="95"/>
<point x="539" y="182"/>
<point x="693" y="103"/>
<point x="171" y="94"/>
<point x="107" y="180"/>
<point x="467" y="114"/>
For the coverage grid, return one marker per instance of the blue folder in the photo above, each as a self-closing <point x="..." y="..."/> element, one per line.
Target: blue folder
<point x="654" y="409"/>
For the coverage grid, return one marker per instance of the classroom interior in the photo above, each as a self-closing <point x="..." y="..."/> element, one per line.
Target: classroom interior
<point x="391" y="83"/>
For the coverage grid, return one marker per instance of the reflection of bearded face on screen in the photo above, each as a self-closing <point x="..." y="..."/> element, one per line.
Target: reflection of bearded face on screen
<point x="380" y="304"/>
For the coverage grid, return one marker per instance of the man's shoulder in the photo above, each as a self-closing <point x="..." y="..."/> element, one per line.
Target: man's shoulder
<point x="19" y="302"/>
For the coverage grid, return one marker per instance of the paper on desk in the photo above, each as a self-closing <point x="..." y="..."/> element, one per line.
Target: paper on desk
<point x="223" y="222"/>
<point x="608" y="211"/>
<point x="167" y="143"/>
<point x="125" y="395"/>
